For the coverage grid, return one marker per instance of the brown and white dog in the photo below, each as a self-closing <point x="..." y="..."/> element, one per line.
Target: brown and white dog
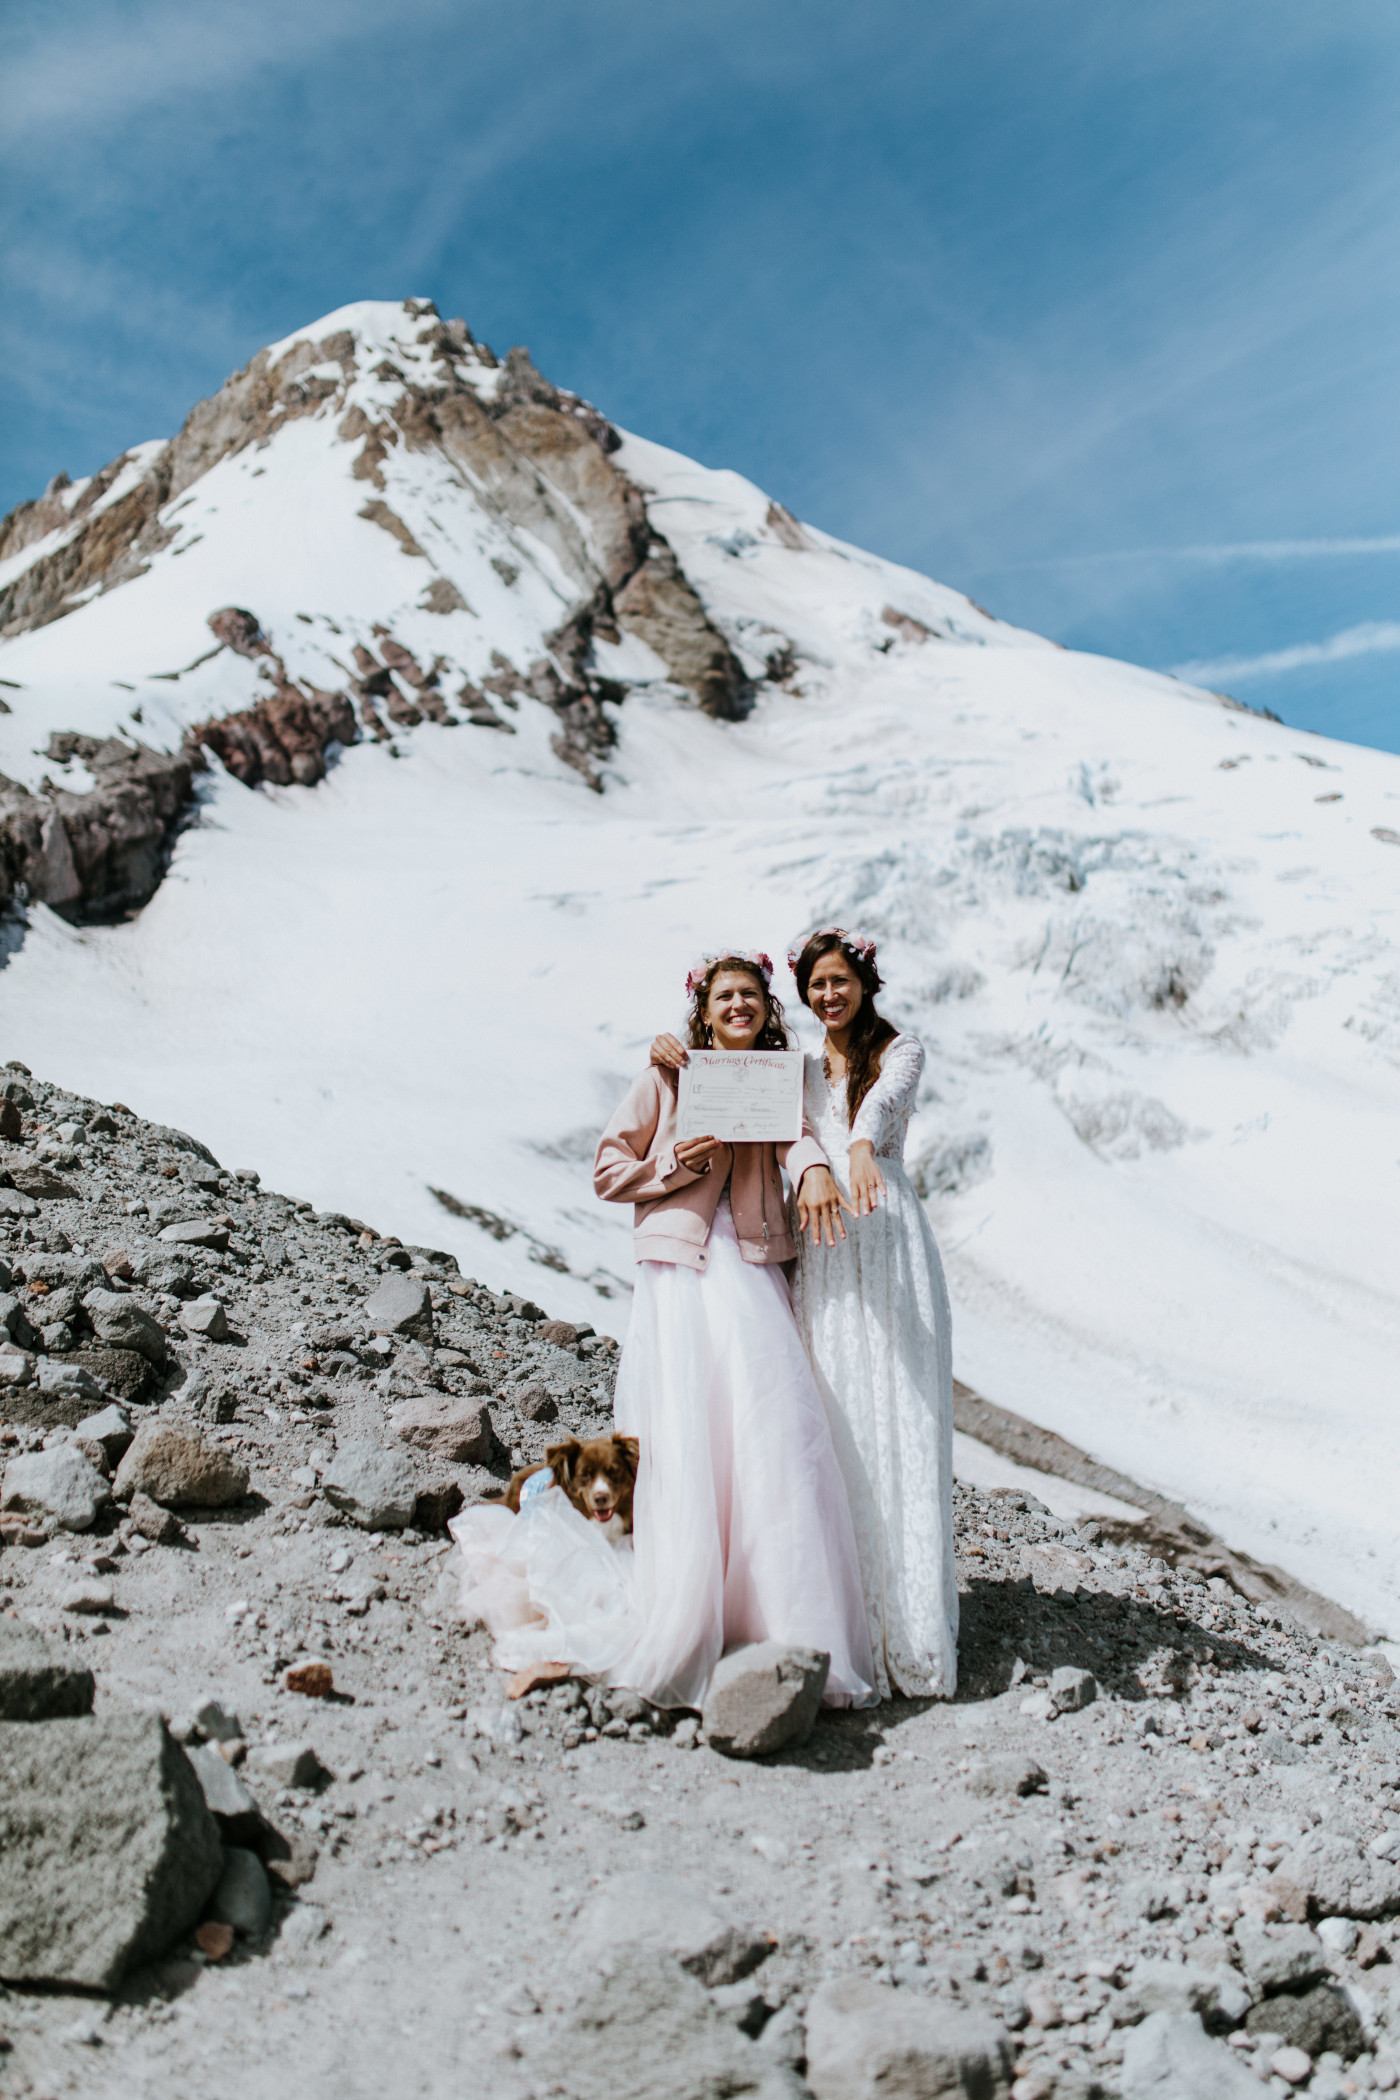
<point x="598" y="1477"/>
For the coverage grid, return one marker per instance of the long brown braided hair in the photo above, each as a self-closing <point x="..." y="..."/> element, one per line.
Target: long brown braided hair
<point x="870" y="1031"/>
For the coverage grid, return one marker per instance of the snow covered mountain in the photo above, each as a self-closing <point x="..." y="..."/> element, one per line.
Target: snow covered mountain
<point x="611" y="708"/>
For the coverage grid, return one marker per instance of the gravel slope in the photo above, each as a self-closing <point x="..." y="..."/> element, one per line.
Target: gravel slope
<point x="1232" y="1777"/>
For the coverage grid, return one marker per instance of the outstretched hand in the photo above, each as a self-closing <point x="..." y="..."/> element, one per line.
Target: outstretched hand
<point x="670" y="1053"/>
<point x="867" y="1182"/>
<point x="819" y="1207"/>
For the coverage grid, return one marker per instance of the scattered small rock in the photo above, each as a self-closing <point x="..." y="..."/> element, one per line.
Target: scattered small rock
<point x="224" y="1793"/>
<point x="289" y="1764"/>
<point x="865" y="2040"/>
<point x="243" y="1898"/>
<point x="90" y="1599"/>
<point x="376" y="1489"/>
<point x="37" y="1682"/>
<point x="195" y="1232"/>
<point x="445" y="1426"/>
<point x="1071" y="1689"/>
<point x="161" y="1526"/>
<point x="313" y="1679"/>
<point x="401" y="1305"/>
<point x="1008" y="1776"/>
<point x="111" y="1428"/>
<point x="1171" y="2057"/>
<point x="177" y="1467"/>
<point x="206" y="1318"/>
<point x="535" y="1403"/>
<point x="58" y="1483"/>
<point x="668" y="1916"/>
<point x="120" y="1323"/>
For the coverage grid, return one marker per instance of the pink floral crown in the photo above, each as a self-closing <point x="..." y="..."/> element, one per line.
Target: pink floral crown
<point x="852" y="938"/>
<point x="753" y="956"/>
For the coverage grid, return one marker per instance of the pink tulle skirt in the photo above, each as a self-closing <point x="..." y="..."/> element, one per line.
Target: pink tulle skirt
<point x="742" y="1530"/>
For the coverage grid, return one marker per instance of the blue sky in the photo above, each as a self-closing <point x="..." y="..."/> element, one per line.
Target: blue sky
<point x="1090" y="309"/>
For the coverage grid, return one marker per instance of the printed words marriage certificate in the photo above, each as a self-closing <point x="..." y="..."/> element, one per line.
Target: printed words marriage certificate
<point x="742" y="1097"/>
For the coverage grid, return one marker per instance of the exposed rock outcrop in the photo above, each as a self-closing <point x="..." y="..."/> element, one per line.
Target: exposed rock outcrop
<point x="537" y="459"/>
<point x="285" y="737"/>
<point x="104" y="851"/>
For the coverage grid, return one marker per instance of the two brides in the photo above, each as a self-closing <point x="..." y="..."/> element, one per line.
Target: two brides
<point x="796" y="1461"/>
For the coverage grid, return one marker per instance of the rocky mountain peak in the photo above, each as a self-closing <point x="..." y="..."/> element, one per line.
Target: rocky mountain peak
<point x="401" y="421"/>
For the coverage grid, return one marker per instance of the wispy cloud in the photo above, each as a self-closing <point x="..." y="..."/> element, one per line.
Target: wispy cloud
<point x="93" y="68"/>
<point x="1215" y="556"/>
<point x="1372" y="638"/>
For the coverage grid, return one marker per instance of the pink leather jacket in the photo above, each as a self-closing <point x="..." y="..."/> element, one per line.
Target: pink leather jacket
<point x="675" y="1207"/>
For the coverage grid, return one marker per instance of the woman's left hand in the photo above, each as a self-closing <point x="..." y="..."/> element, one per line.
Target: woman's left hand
<point x="867" y="1182"/>
<point x="819" y="1207"/>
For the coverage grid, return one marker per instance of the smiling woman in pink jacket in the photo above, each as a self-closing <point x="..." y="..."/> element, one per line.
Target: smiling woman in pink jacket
<point x="742" y="1529"/>
<point x="741" y="1526"/>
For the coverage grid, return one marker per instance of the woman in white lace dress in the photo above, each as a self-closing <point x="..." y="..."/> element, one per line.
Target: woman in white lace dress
<point x="874" y="1313"/>
<point x="873" y="1309"/>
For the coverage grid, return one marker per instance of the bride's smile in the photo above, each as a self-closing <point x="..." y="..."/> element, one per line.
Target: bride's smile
<point x="737" y="1008"/>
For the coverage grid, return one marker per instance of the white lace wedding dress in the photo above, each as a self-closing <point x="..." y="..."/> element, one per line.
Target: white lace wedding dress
<point x="874" y="1314"/>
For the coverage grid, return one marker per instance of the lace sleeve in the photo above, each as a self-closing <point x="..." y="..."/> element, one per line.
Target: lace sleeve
<point x="891" y="1099"/>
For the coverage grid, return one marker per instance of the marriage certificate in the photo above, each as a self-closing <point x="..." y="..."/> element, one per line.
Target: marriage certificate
<point x="742" y="1097"/>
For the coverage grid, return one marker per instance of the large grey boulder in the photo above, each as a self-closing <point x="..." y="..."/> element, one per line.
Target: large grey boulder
<point x="762" y="1697"/>
<point x="175" y="1466"/>
<point x="58" y="1483"/>
<point x="1171" y="2057"/>
<point x="443" y="1426"/>
<point x="376" y="1489"/>
<point x="108" y="1847"/>
<point x="120" y="1323"/>
<point x="673" y="1918"/>
<point x="647" y="2030"/>
<point x="868" y="2042"/>
<point x="401" y="1305"/>
<point x="37" y="1682"/>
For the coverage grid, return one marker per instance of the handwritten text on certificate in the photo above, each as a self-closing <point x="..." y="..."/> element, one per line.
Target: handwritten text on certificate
<point x="741" y="1097"/>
